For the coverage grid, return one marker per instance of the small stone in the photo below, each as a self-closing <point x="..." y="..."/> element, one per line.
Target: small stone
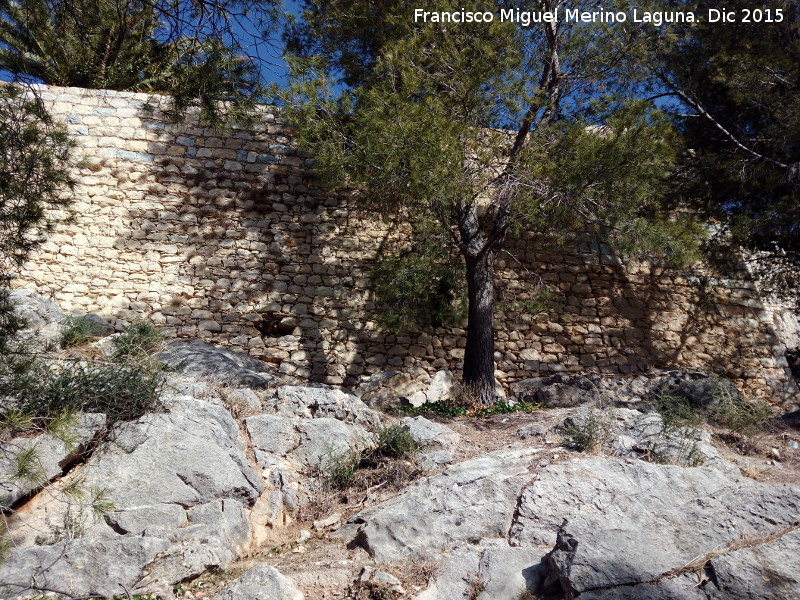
<point x="328" y="521"/>
<point x="305" y="534"/>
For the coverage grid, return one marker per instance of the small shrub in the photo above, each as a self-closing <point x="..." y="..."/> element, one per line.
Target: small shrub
<point x="122" y="392"/>
<point x="76" y="331"/>
<point x="139" y="340"/>
<point x="339" y="470"/>
<point x="588" y="435"/>
<point x="395" y="441"/>
<point x="677" y="412"/>
<point x="676" y="441"/>
<point x="739" y="413"/>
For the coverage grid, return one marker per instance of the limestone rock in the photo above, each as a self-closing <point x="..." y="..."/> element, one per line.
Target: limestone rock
<point x="302" y="444"/>
<point x="74" y="567"/>
<point x="204" y="361"/>
<point x="179" y="483"/>
<point x="430" y="435"/>
<point x="321" y="401"/>
<point x="472" y="500"/>
<point x="262" y="582"/>
<point x="500" y="570"/>
<point x="52" y="456"/>
<point x="632" y="522"/>
<point x="443" y="386"/>
<point x="390" y="389"/>
<point x="99" y="326"/>
<point x="43" y="319"/>
<point x="292" y="453"/>
<point x="558" y="391"/>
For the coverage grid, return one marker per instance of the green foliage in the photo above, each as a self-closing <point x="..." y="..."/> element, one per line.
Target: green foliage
<point x="739" y="83"/>
<point x="739" y="413"/>
<point x="138" y="341"/>
<point x="444" y="408"/>
<point x="586" y="435"/>
<point x="395" y="441"/>
<point x="34" y="173"/>
<point x="76" y="331"/>
<point x="504" y="408"/>
<point x="477" y="132"/>
<point x="177" y="49"/>
<point x="339" y="470"/>
<point x="419" y="290"/>
<point x="122" y="392"/>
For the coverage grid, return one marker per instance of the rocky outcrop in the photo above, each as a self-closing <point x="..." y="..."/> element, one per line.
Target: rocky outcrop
<point x="596" y="527"/>
<point x="262" y="582"/>
<point x="43" y="319"/>
<point x="51" y="456"/>
<point x="180" y="486"/>
<point x="469" y="501"/>
<point x="199" y="359"/>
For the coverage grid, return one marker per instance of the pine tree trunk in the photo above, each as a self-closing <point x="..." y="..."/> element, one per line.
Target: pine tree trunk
<point x="478" y="372"/>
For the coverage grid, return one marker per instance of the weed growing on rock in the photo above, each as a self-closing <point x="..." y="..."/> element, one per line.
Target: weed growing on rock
<point x="395" y="441"/>
<point x="138" y="341"/>
<point x="590" y="434"/>
<point x="339" y="470"/>
<point x="76" y="331"/>
<point x="388" y="462"/>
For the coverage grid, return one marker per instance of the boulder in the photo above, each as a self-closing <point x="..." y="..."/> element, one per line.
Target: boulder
<point x="51" y="455"/>
<point x="486" y="570"/>
<point x="81" y="566"/>
<point x="201" y="360"/>
<point x="558" y="391"/>
<point x="321" y="401"/>
<point x="99" y="327"/>
<point x="293" y="453"/>
<point x="429" y="435"/>
<point x="391" y="389"/>
<point x="699" y="389"/>
<point x="562" y="390"/>
<point x="43" y="319"/>
<point x="179" y="484"/>
<point x="469" y="501"/>
<point x="620" y="523"/>
<point x="262" y="582"/>
<point x="443" y="386"/>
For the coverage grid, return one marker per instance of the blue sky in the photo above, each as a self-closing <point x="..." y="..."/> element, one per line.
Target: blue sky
<point x="274" y="67"/>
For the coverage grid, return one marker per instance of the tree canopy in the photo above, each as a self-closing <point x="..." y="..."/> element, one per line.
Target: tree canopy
<point x="738" y="93"/>
<point x="192" y="50"/>
<point x="484" y="130"/>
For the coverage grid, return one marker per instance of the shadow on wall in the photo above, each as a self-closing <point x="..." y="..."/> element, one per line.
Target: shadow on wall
<point x="224" y="236"/>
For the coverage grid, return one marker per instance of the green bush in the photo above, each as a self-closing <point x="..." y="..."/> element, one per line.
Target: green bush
<point x="138" y="341"/>
<point x="339" y="470"/>
<point x="122" y="392"/>
<point x="395" y="441"/>
<point x="76" y="331"/>
<point x="588" y="435"/>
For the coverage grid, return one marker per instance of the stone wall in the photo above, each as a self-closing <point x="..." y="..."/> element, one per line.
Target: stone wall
<point x="223" y="236"/>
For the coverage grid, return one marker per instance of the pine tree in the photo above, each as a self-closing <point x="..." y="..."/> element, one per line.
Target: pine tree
<point x="481" y="130"/>
<point x="187" y="50"/>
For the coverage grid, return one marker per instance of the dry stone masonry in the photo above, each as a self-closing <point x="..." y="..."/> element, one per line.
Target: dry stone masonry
<point x="223" y="236"/>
